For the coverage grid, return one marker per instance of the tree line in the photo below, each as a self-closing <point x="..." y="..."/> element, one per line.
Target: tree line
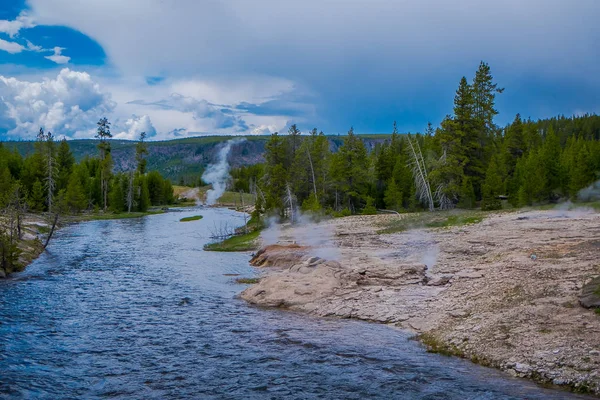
<point x="50" y="181"/>
<point x="467" y="161"/>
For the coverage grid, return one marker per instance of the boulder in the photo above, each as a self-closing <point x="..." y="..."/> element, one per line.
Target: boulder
<point x="2" y="274"/>
<point x="590" y="293"/>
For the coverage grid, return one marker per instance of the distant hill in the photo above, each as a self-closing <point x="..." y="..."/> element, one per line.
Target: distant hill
<point x="183" y="158"/>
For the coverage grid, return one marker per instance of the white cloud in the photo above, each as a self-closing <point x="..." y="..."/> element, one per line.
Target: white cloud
<point x="23" y="21"/>
<point x="69" y="105"/>
<point x="11" y="47"/>
<point x="264" y="129"/>
<point x="57" y="57"/>
<point x="134" y="126"/>
<point x="33" y="47"/>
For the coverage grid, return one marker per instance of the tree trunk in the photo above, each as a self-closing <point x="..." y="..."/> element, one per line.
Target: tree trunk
<point x="313" y="173"/>
<point x="51" y="230"/>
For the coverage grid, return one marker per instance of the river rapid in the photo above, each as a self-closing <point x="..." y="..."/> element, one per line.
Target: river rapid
<point x="135" y="309"/>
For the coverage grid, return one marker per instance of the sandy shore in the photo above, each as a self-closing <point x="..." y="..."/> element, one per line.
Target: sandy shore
<point x="504" y="292"/>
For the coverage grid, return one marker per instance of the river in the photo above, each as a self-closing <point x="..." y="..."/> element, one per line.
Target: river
<point x="135" y="309"/>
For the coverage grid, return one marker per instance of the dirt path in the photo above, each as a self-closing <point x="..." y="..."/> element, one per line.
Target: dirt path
<point x="503" y="292"/>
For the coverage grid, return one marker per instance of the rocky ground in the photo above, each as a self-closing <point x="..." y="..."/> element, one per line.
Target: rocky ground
<point x="504" y="292"/>
<point x="30" y="244"/>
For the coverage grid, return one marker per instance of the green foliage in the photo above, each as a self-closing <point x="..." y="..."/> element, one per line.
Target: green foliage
<point x="350" y="172"/>
<point x="492" y="186"/>
<point x="247" y="281"/>
<point x="143" y="200"/>
<point x="75" y="194"/>
<point x="441" y="219"/>
<point x="37" y="197"/>
<point x="393" y="196"/>
<point x="311" y="204"/>
<point x="467" y="194"/>
<point x="246" y="242"/>
<point x="192" y="218"/>
<point x="344" y="212"/>
<point x="370" y="207"/>
<point x="117" y="194"/>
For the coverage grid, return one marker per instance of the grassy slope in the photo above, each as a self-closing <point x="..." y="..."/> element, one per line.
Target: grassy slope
<point x="247" y="242"/>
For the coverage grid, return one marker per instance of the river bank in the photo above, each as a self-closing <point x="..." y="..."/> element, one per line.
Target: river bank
<point x="35" y="228"/>
<point x="503" y="292"/>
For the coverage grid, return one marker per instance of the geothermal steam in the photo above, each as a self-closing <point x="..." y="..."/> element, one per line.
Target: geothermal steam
<point x="217" y="174"/>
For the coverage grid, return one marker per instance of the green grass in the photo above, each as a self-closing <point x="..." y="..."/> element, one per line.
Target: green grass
<point x="433" y="345"/>
<point x="438" y="219"/>
<point x="454" y="220"/>
<point x="246" y="242"/>
<point x="193" y="218"/>
<point x="110" y="215"/>
<point x="247" y="281"/>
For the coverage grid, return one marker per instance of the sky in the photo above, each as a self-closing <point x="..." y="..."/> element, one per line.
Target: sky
<point x="180" y="68"/>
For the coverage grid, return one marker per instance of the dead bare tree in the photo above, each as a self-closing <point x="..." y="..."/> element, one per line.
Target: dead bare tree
<point x="244" y="211"/>
<point x="440" y="192"/>
<point x="289" y="200"/>
<point x="222" y="231"/>
<point x="46" y="143"/>
<point x="419" y="171"/>
<point x="59" y="210"/>
<point x="130" y="195"/>
<point x="312" y="169"/>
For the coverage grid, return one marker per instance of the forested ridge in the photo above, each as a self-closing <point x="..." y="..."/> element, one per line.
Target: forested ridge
<point x="467" y="161"/>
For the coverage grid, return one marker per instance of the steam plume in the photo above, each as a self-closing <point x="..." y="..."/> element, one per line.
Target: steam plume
<point x="217" y="174"/>
<point x="590" y="193"/>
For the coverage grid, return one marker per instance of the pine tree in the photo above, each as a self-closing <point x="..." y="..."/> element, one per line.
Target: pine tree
<point x="350" y="171"/>
<point x="75" y="196"/>
<point x="532" y="179"/>
<point x="46" y="148"/>
<point x="492" y="186"/>
<point x="103" y="133"/>
<point x="484" y="96"/>
<point x="141" y="150"/>
<point x="550" y="154"/>
<point x="276" y="175"/>
<point x="294" y="141"/>
<point x="143" y="199"/>
<point x="393" y="196"/>
<point x="448" y="171"/>
<point x="65" y="162"/>
<point x="116" y="194"/>
<point x="36" y="198"/>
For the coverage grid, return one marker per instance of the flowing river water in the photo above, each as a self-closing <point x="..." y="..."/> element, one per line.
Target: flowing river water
<point x="135" y="309"/>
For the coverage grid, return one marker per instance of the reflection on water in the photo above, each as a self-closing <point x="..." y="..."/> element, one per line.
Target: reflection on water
<point x="134" y="309"/>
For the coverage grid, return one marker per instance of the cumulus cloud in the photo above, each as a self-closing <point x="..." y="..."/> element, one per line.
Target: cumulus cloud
<point x="134" y="126"/>
<point x="11" y="47"/>
<point x="264" y="129"/>
<point x="57" y="57"/>
<point x="200" y="109"/>
<point x="69" y="105"/>
<point x="12" y="28"/>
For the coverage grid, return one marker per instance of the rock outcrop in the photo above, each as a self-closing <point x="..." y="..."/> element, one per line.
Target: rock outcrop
<point x="590" y="294"/>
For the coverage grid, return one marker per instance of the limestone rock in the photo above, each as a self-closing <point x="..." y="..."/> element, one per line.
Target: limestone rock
<point x="590" y="294"/>
<point x="439" y="280"/>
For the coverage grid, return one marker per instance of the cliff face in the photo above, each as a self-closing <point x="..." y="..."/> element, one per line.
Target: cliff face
<point x="504" y="292"/>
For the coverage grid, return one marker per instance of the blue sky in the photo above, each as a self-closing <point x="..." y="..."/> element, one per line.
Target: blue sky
<point x="187" y="68"/>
